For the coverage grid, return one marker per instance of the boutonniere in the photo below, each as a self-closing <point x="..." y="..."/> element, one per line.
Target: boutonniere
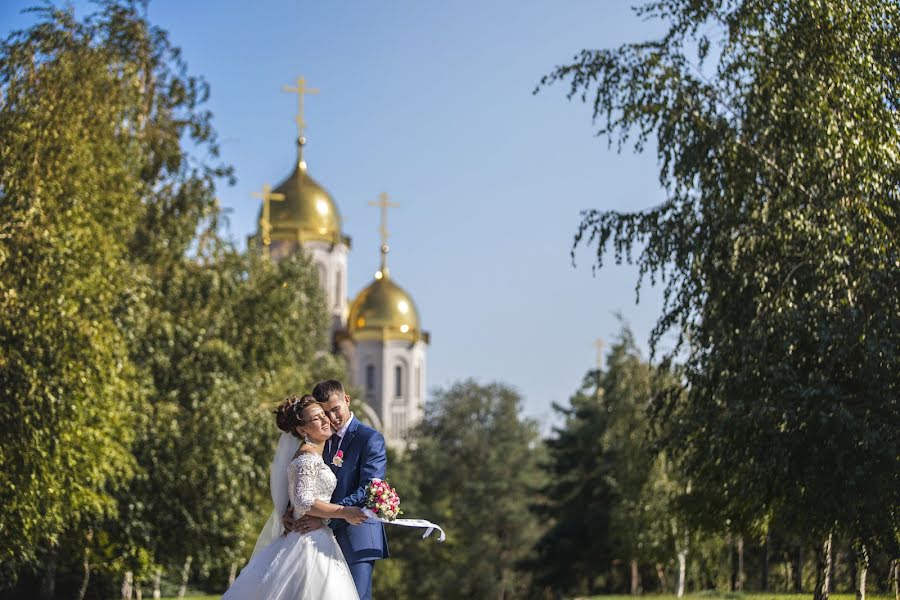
<point x="338" y="459"/>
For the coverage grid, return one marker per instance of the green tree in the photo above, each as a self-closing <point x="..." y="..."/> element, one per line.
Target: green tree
<point x="576" y="503"/>
<point x="141" y="350"/>
<point x="604" y="496"/>
<point x="472" y="468"/>
<point x="70" y="196"/>
<point x="777" y="131"/>
<point x="626" y="387"/>
<point x="227" y="341"/>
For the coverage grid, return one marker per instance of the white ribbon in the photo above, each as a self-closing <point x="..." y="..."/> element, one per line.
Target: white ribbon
<point x="427" y="525"/>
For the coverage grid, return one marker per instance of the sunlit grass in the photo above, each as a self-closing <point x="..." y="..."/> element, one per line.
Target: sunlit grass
<point x="710" y="595"/>
<point x="713" y="595"/>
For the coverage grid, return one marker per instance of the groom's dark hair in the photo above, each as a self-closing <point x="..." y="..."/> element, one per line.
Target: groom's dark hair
<point x="325" y="389"/>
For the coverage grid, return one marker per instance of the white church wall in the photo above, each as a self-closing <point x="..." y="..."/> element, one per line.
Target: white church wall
<point x="331" y="261"/>
<point x="374" y="372"/>
<point x="369" y="354"/>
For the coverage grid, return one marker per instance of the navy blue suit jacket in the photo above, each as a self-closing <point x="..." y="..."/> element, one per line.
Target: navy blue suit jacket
<point x="365" y="458"/>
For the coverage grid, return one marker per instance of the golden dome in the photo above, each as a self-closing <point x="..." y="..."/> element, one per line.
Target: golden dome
<point x="308" y="211"/>
<point x="383" y="311"/>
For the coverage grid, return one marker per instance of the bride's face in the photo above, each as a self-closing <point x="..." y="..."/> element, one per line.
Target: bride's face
<point x="315" y="424"/>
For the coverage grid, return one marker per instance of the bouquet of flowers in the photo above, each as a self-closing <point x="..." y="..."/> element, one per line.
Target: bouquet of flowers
<point x="382" y="500"/>
<point x="383" y="504"/>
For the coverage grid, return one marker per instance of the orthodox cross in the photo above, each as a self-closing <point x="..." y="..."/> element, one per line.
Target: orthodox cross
<point x="301" y="90"/>
<point x="265" y="226"/>
<point x="384" y="204"/>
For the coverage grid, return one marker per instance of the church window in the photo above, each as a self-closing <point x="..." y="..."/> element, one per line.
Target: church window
<point x="418" y="381"/>
<point x="398" y="381"/>
<point x="370" y="381"/>
<point x="337" y="289"/>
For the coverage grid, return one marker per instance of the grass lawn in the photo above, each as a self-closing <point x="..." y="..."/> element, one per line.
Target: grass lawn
<point x="712" y="595"/>
<point x="700" y="596"/>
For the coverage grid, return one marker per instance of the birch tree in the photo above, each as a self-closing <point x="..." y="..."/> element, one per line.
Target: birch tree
<point x="776" y="125"/>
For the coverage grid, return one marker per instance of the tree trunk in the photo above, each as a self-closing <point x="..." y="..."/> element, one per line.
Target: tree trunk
<point x="661" y="575"/>
<point x="863" y="572"/>
<point x="682" y="571"/>
<point x="504" y="583"/>
<point x="126" y="585"/>
<point x="682" y="566"/>
<point x="185" y="574"/>
<point x="836" y="558"/>
<point x="788" y="571"/>
<point x="86" y="567"/>
<point x="138" y="592"/>
<point x="740" y="553"/>
<point x="896" y="578"/>
<point x="764" y="580"/>
<point x="156" y="578"/>
<point x="732" y="563"/>
<point x="232" y="575"/>
<point x="682" y="554"/>
<point x="48" y="578"/>
<point x="823" y="570"/>
<point x="798" y="571"/>
<point x="635" y="578"/>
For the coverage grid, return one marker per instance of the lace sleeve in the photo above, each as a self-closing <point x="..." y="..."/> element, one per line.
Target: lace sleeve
<point x="307" y="466"/>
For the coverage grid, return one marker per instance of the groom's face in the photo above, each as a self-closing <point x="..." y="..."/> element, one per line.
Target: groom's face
<point x="338" y="410"/>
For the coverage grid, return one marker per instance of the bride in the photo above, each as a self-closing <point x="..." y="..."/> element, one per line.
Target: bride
<point x="293" y="565"/>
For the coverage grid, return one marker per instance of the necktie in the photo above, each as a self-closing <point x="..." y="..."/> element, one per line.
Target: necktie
<point x="334" y="443"/>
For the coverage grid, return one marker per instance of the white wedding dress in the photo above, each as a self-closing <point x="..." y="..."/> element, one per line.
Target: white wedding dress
<point x="294" y="566"/>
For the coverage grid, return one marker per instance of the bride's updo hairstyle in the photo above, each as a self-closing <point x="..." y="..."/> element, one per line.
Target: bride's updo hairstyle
<point x="289" y="414"/>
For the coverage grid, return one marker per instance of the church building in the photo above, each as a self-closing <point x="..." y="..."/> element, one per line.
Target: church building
<point x="379" y="332"/>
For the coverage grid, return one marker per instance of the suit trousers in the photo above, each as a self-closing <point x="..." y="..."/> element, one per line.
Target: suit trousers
<point x="362" y="577"/>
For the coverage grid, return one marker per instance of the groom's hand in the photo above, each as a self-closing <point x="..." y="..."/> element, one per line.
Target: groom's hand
<point x="306" y="523"/>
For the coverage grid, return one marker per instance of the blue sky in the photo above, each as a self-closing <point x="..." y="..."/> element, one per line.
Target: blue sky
<point x="432" y="103"/>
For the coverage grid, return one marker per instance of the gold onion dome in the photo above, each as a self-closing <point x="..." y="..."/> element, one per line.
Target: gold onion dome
<point x="384" y="311"/>
<point x="308" y="211"/>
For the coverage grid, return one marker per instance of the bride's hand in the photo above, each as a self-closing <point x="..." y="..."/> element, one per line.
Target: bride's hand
<point x="353" y="515"/>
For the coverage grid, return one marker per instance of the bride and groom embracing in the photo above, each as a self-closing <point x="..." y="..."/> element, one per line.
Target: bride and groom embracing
<point x="318" y="543"/>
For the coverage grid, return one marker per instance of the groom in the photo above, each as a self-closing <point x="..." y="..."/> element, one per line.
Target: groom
<point x="356" y="455"/>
